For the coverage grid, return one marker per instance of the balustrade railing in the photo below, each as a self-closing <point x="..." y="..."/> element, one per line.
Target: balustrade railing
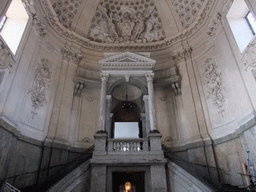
<point x="6" y="187"/>
<point x="127" y="145"/>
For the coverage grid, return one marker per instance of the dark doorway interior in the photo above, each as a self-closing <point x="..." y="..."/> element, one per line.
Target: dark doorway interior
<point x="137" y="179"/>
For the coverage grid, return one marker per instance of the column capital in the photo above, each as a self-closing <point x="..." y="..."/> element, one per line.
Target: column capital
<point x="149" y="76"/>
<point x="104" y="76"/>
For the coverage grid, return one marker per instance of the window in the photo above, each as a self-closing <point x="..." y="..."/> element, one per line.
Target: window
<point x="2" y="22"/>
<point x="13" y="24"/>
<point x="251" y="20"/>
<point x="242" y="23"/>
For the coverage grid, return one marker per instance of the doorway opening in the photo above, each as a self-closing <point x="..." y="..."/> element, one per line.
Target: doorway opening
<point x="126" y="121"/>
<point x="137" y="180"/>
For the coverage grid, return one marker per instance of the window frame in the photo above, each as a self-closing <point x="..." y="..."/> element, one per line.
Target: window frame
<point x="249" y="23"/>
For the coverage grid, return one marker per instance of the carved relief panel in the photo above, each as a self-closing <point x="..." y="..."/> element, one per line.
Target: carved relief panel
<point x="216" y="94"/>
<point x="37" y="96"/>
<point x="126" y="21"/>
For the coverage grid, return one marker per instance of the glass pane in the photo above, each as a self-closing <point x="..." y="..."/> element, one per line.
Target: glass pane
<point x="126" y="130"/>
<point x="2" y="22"/>
<point x="252" y="21"/>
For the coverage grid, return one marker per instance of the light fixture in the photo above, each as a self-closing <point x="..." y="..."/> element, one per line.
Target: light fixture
<point x="128" y="186"/>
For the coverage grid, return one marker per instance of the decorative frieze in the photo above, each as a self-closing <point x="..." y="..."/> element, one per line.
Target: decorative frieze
<point x="41" y="83"/>
<point x="70" y="55"/>
<point x="212" y="78"/>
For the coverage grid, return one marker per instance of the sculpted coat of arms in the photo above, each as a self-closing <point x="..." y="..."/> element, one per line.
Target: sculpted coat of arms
<point x="127" y="26"/>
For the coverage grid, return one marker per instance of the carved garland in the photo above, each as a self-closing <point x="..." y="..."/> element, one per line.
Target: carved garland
<point x="213" y="81"/>
<point x="41" y="82"/>
<point x="54" y="21"/>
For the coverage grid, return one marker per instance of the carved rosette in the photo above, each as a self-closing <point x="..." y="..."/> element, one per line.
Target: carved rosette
<point x="41" y="83"/>
<point x="213" y="82"/>
<point x="126" y="22"/>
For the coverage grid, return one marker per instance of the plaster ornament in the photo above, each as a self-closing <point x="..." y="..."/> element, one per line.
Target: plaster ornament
<point x="79" y="86"/>
<point x="5" y="56"/>
<point x="96" y="44"/>
<point x="213" y="81"/>
<point x="176" y="88"/>
<point x="249" y="56"/>
<point x="70" y="55"/>
<point x="39" y="26"/>
<point x="127" y="26"/>
<point x="41" y="82"/>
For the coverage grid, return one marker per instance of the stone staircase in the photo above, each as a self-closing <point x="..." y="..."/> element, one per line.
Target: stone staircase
<point x="229" y="188"/>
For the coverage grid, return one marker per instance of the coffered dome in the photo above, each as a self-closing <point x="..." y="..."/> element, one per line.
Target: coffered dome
<point x="136" y="24"/>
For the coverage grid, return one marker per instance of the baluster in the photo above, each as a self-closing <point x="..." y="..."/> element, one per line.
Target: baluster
<point x="125" y="146"/>
<point x="118" y="146"/>
<point x="128" y="146"/>
<point x="135" y="146"/>
<point x="114" y="146"/>
<point x="121" y="146"/>
<point x="131" y="146"/>
<point x="138" y="146"/>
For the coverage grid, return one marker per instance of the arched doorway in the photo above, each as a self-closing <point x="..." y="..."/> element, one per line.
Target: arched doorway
<point x="126" y="121"/>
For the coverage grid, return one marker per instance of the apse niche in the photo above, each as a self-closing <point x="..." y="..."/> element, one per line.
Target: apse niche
<point x="127" y="106"/>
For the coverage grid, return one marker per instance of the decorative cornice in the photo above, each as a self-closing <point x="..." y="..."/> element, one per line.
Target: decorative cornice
<point x="127" y="60"/>
<point x="168" y="42"/>
<point x="71" y="55"/>
<point x="183" y="54"/>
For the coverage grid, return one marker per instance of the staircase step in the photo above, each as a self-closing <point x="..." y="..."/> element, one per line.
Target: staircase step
<point x="229" y="188"/>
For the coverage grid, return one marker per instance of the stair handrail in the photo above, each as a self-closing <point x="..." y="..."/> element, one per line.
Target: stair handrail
<point x="8" y="187"/>
<point x="88" y="151"/>
<point x="213" y="182"/>
<point x="250" y="188"/>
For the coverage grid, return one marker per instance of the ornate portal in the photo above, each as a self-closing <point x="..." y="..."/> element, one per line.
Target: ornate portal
<point x="126" y="22"/>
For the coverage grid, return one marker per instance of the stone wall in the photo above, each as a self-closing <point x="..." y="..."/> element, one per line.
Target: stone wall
<point x="25" y="161"/>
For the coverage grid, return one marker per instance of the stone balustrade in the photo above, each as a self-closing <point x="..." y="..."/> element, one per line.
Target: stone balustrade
<point x="127" y="145"/>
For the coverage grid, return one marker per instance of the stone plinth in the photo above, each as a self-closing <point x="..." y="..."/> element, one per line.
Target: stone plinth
<point x="100" y="143"/>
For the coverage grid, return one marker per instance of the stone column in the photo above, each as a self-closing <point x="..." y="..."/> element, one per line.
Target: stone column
<point x="108" y="118"/>
<point x="102" y="124"/>
<point x="151" y="102"/>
